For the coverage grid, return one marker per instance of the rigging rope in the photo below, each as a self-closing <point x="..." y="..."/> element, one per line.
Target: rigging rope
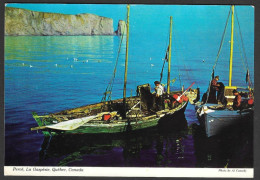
<point x="179" y="77"/>
<point x="186" y="70"/>
<point x="241" y="54"/>
<point x="161" y="74"/>
<point x="218" y="54"/>
<point x="111" y="83"/>
<point x="242" y="42"/>
<point x="182" y="59"/>
<point x="174" y="50"/>
<point x="222" y="40"/>
<point x="177" y="60"/>
<point x="166" y="54"/>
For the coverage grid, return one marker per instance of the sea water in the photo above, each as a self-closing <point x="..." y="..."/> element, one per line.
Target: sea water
<point x="47" y="74"/>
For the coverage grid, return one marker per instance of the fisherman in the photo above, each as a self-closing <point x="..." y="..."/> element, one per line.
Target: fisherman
<point x="159" y="90"/>
<point x="237" y="101"/>
<point x="214" y="83"/>
<point x="219" y="88"/>
<point x="213" y="89"/>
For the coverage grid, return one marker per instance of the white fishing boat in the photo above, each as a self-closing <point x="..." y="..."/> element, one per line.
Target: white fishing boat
<point x="215" y="116"/>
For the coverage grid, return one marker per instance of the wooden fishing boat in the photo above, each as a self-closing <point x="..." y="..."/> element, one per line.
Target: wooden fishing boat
<point x="216" y="117"/>
<point x="117" y="116"/>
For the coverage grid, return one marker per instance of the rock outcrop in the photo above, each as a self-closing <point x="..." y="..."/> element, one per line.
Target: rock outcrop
<point x="121" y="28"/>
<point x="26" y="22"/>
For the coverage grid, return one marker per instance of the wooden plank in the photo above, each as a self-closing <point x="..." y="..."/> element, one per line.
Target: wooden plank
<point x="38" y="128"/>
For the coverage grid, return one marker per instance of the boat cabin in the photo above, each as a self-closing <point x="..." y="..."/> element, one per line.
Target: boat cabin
<point x="228" y="93"/>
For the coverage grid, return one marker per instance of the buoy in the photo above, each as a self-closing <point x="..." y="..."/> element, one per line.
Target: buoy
<point x="250" y="101"/>
<point x="180" y="98"/>
<point x="177" y="98"/>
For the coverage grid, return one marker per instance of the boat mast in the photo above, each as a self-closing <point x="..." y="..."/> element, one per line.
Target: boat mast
<point x="169" y="58"/>
<point x="231" y="47"/>
<point x="126" y="55"/>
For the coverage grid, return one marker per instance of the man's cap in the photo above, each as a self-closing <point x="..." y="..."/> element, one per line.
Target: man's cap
<point x="156" y="82"/>
<point x="234" y="91"/>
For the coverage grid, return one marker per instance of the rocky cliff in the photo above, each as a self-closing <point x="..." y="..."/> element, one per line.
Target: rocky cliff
<point x="121" y="28"/>
<point x="26" y="22"/>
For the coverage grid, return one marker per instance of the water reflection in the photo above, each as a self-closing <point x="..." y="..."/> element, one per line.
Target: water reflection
<point x="162" y="146"/>
<point x="232" y="149"/>
<point x="56" y="48"/>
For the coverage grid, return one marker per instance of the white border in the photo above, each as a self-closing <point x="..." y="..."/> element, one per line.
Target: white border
<point x="128" y="172"/>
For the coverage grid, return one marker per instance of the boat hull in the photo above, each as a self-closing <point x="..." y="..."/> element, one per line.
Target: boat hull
<point x="119" y="127"/>
<point x="217" y="122"/>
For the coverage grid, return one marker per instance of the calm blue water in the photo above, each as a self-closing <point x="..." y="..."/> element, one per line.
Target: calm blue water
<point x="50" y="74"/>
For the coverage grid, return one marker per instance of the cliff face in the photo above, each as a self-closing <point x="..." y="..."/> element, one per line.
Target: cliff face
<point x="26" y="22"/>
<point x="121" y="28"/>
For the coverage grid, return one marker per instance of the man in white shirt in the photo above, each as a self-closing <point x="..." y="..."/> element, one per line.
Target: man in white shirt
<point x="159" y="90"/>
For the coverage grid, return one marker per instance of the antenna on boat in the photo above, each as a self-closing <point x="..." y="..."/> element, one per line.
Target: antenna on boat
<point x="169" y="58"/>
<point x="126" y="59"/>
